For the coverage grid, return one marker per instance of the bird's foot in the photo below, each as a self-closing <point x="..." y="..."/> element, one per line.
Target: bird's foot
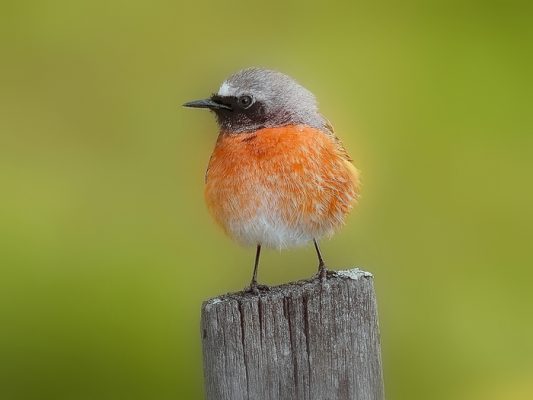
<point x="324" y="273"/>
<point x="255" y="288"/>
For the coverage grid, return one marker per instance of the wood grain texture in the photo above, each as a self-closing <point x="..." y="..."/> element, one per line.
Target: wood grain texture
<point x="304" y="340"/>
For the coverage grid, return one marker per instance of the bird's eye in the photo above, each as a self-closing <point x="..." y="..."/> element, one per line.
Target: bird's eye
<point x="245" y="101"/>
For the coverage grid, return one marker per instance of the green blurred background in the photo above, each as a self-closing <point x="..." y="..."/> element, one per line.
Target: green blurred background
<point x="106" y="248"/>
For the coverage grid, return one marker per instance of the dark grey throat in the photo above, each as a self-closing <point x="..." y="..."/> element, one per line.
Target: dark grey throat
<point x="236" y="119"/>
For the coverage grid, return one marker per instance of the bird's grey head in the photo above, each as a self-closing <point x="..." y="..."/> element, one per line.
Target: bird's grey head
<point x="256" y="98"/>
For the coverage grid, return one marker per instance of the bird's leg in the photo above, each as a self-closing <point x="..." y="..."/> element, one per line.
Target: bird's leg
<point x="322" y="269"/>
<point x="253" y="283"/>
<point x="254" y="287"/>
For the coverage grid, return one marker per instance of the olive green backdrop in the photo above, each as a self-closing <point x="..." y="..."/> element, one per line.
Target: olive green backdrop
<point x="107" y="251"/>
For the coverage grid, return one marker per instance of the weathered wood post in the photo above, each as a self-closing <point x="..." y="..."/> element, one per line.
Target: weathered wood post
<point x="303" y="340"/>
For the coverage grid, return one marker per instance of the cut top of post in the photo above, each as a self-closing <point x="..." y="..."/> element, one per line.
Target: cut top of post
<point x="289" y="289"/>
<point x="308" y="340"/>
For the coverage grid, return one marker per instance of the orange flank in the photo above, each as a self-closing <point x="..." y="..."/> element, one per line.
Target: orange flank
<point x="280" y="186"/>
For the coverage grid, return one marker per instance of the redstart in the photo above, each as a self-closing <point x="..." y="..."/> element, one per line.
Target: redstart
<point x="278" y="176"/>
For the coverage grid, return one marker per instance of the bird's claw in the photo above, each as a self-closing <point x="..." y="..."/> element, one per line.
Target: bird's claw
<point x="255" y="288"/>
<point x="324" y="273"/>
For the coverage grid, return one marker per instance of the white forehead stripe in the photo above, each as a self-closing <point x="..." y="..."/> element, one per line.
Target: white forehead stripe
<point x="226" y="89"/>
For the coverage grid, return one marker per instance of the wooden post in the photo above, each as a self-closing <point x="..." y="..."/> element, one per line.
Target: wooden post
<point x="303" y="340"/>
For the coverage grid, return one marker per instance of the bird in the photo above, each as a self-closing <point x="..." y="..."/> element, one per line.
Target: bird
<point x="278" y="176"/>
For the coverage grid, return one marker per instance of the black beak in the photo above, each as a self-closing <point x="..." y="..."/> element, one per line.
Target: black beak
<point x="207" y="103"/>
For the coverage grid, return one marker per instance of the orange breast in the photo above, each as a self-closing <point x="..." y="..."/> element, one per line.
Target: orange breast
<point x="280" y="187"/>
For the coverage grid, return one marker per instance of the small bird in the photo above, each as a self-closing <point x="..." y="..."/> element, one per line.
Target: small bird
<point x="278" y="176"/>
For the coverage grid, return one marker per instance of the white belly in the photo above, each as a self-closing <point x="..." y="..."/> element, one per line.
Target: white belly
<point x="270" y="230"/>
